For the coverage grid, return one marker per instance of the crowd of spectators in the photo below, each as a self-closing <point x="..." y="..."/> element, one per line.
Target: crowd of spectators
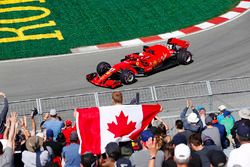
<point x="199" y="140"/>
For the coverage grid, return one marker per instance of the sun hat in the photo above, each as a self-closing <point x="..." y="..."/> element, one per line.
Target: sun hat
<point x="34" y="143"/>
<point x="244" y="113"/>
<point x="192" y="118"/>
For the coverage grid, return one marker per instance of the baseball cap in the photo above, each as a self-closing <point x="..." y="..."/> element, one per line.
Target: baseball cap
<point x="208" y="120"/>
<point x="222" y="107"/>
<point x="217" y="158"/>
<point x="88" y="159"/>
<point x="226" y="113"/>
<point x="121" y="162"/>
<point x="52" y="112"/>
<point x="145" y="135"/>
<point x="182" y="153"/>
<point x="243" y="130"/>
<point x="200" y="108"/>
<point x="68" y="122"/>
<point x="73" y="136"/>
<point x="113" y="150"/>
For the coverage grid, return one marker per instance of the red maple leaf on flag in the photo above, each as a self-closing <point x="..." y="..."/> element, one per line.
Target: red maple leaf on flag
<point x="121" y="128"/>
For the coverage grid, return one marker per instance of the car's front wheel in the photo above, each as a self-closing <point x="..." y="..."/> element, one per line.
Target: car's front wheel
<point x="102" y="68"/>
<point x="184" y="57"/>
<point x="127" y="77"/>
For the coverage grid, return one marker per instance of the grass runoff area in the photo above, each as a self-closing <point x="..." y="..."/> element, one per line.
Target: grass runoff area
<point x="31" y="28"/>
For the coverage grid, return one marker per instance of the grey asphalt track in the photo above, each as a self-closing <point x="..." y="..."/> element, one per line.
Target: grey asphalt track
<point x="222" y="52"/>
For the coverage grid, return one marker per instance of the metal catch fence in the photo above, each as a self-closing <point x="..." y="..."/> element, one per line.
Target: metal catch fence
<point x="232" y="92"/>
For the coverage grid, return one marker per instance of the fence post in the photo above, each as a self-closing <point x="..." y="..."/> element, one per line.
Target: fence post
<point x="39" y="108"/>
<point x="97" y="99"/>
<point x="153" y="93"/>
<point x="210" y="95"/>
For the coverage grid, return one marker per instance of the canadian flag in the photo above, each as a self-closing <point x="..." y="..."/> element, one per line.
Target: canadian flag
<point x="97" y="126"/>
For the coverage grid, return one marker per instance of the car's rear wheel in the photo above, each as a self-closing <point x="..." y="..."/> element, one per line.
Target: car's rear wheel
<point x="102" y="68"/>
<point x="127" y="77"/>
<point x="184" y="57"/>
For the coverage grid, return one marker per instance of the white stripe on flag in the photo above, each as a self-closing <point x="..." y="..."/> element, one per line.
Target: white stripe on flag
<point x="108" y="114"/>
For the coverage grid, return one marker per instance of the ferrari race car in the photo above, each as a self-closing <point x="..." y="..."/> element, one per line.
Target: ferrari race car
<point x="135" y="64"/>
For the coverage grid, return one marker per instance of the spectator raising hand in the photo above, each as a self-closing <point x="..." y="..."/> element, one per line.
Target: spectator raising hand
<point x="6" y="155"/>
<point x="3" y="114"/>
<point x="153" y="148"/>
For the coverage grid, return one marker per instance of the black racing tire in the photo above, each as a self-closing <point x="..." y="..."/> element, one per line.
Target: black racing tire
<point x="184" y="57"/>
<point x="102" y="68"/>
<point x="127" y="77"/>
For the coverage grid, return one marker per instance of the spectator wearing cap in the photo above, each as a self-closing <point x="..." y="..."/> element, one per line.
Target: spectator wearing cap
<point x="180" y="129"/>
<point x="113" y="157"/>
<point x="195" y="142"/>
<point x="54" y="147"/>
<point x="88" y="159"/>
<point x="35" y="154"/>
<point x="244" y="116"/>
<point x="182" y="155"/>
<point x="67" y="130"/>
<point x="240" y="156"/>
<point x="193" y="121"/>
<point x="222" y="130"/>
<point x="228" y="122"/>
<point x="142" y="157"/>
<point x="3" y="114"/>
<point x="211" y="131"/>
<point x="222" y="109"/>
<point x="202" y="113"/>
<point x="53" y="123"/>
<point x="217" y="158"/>
<point x="70" y="153"/>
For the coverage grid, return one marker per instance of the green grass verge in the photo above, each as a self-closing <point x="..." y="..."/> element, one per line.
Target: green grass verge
<point x="91" y="22"/>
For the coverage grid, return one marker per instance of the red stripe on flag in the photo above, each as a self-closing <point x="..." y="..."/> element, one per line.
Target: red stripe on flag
<point x="88" y="123"/>
<point x="149" y="112"/>
<point x="109" y="45"/>
<point x="150" y="39"/>
<point x="217" y="20"/>
<point x="190" y="29"/>
<point x="239" y="10"/>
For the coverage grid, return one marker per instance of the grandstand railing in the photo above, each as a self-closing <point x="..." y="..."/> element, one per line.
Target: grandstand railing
<point x="232" y="92"/>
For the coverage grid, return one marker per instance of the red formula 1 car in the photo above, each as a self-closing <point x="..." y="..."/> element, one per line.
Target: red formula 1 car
<point x="152" y="58"/>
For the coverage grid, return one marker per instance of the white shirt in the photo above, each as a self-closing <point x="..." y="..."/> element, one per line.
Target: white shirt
<point x="240" y="156"/>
